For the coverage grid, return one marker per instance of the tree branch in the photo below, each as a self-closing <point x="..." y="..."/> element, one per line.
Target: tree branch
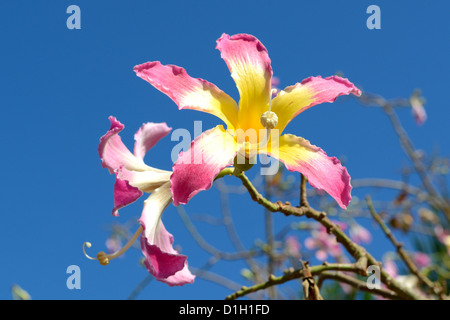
<point x="291" y="275"/>
<point x="356" y="251"/>
<point x="399" y="247"/>
<point x="357" y="284"/>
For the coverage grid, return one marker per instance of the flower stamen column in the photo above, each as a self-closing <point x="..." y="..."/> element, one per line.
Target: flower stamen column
<point x="104" y="258"/>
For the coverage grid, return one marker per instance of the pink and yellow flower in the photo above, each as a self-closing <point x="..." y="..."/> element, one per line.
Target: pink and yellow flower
<point x="250" y="67"/>
<point x="133" y="178"/>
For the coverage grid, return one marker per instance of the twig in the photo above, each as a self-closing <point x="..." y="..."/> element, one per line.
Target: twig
<point x="231" y="230"/>
<point x="148" y="278"/>
<point x="303" y="195"/>
<point x="268" y="219"/>
<point x="357" y="284"/>
<point x="287" y="209"/>
<point x="291" y="275"/>
<point x="356" y="251"/>
<point x="399" y="246"/>
<point x="411" y="152"/>
<point x="208" y="247"/>
<point x="407" y="145"/>
<point x="310" y="289"/>
<point x="213" y="277"/>
<point x="390" y="184"/>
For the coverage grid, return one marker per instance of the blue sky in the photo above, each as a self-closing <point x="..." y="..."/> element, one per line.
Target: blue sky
<point x="58" y="87"/>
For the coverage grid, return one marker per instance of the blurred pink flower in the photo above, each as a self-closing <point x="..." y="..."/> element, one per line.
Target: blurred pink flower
<point x="417" y="105"/>
<point x="390" y="267"/>
<point x="324" y="244"/>
<point x="275" y="83"/>
<point x="359" y="234"/>
<point x="113" y="244"/>
<point x="421" y="259"/>
<point x="293" y="247"/>
<point x="441" y="234"/>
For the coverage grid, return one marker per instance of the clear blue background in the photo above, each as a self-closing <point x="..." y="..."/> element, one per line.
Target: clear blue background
<point x="58" y="87"/>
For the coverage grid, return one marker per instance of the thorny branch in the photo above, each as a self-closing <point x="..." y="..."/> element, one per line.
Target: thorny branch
<point x="291" y="275"/>
<point x="356" y="251"/>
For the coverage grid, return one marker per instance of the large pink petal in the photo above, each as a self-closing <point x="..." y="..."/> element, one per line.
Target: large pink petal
<point x="196" y="168"/>
<point x="310" y="92"/>
<point x="250" y="67"/>
<point x="165" y="267"/>
<point x="124" y="194"/>
<point x="188" y="92"/>
<point x="323" y="172"/>
<point x="161" y="259"/>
